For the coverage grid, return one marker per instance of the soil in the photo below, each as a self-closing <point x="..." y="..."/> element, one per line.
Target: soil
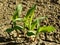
<point x="49" y="8"/>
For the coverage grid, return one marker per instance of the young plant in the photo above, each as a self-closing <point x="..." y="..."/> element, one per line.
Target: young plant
<point x="29" y="23"/>
<point x="14" y="19"/>
<point x="33" y="24"/>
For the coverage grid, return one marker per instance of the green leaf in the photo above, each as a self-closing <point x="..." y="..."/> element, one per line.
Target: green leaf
<point x="33" y="25"/>
<point x="42" y="29"/>
<point x="30" y="33"/>
<point x="9" y="30"/>
<point x="18" y="27"/>
<point x="46" y="29"/>
<point x="30" y="11"/>
<point x="15" y="15"/>
<point x="38" y="23"/>
<point x="29" y="17"/>
<point x="41" y="18"/>
<point x="50" y="28"/>
<point x="18" y="19"/>
<point x="38" y="20"/>
<point x="17" y="11"/>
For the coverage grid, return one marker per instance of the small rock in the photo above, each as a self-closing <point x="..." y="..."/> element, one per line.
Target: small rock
<point x="58" y="1"/>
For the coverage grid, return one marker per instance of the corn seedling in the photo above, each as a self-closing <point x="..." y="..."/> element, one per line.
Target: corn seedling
<point x="29" y="23"/>
<point x="14" y="19"/>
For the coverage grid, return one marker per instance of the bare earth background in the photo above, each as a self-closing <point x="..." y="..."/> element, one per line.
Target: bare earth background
<point x="50" y="8"/>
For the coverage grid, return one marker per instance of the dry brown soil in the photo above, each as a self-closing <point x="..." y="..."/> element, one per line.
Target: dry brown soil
<point x="50" y="8"/>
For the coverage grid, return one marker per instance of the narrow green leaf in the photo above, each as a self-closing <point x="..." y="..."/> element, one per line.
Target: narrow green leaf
<point x="50" y="28"/>
<point x="46" y="29"/>
<point x="38" y="20"/>
<point x="41" y="18"/>
<point x="18" y="27"/>
<point x="38" y="23"/>
<point x="33" y="25"/>
<point x="30" y="11"/>
<point x="43" y="29"/>
<point x="15" y="15"/>
<point x="9" y="30"/>
<point x="29" y="16"/>
<point x="30" y="33"/>
<point x="17" y="11"/>
<point x="18" y="19"/>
